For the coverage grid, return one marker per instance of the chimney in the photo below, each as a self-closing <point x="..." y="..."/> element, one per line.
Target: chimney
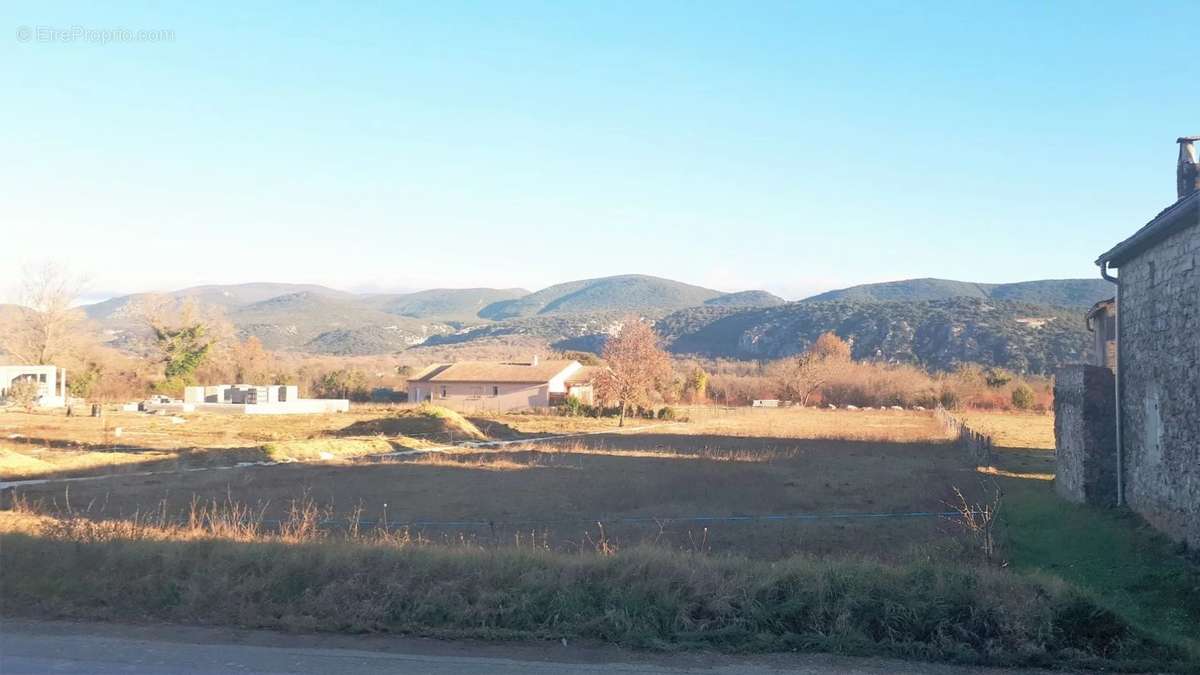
<point x="1187" y="173"/>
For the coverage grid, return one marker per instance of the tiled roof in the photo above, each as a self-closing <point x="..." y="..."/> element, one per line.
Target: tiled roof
<point x="585" y="375"/>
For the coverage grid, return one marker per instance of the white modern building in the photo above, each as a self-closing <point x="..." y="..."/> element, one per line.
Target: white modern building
<point x="251" y="399"/>
<point x="51" y="380"/>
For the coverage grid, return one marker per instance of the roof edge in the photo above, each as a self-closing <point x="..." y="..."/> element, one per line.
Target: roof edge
<point x="1165" y="223"/>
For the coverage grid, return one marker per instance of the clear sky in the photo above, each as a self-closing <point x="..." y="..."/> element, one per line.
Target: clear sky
<point x="789" y="146"/>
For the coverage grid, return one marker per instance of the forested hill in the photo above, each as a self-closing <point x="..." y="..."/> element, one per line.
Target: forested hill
<point x="934" y="322"/>
<point x="1051" y="292"/>
<point x="938" y="334"/>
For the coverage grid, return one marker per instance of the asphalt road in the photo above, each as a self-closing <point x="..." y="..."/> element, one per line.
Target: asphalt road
<point x="60" y="647"/>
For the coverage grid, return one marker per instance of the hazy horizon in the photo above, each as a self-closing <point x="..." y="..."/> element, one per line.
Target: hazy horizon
<point x="88" y="297"/>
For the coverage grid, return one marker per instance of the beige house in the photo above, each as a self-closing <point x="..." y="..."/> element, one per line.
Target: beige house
<point x="499" y="386"/>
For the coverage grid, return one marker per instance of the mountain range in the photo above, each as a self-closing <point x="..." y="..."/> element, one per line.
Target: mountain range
<point x="1030" y="325"/>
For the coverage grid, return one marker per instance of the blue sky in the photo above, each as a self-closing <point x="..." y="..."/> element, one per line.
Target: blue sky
<point x="789" y="146"/>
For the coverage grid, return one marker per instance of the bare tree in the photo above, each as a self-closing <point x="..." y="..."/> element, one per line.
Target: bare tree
<point x="978" y="520"/>
<point x="47" y="326"/>
<point x="798" y="378"/>
<point x="637" y="367"/>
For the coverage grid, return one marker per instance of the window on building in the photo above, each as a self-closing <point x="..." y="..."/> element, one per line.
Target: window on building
<point x="495" y="390"/>
<point x="443" y="391"/>
<point x="42" y="378"/>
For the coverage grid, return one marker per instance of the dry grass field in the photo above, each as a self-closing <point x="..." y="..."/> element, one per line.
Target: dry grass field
<point x="762" y="529"/>
<point x="1024" y="442"/>
<point x="748" y="481"/>
<point x="49" y="444"/>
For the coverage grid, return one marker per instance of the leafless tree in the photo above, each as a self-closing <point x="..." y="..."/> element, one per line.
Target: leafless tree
<point x="798" y="378"/>
<point x="46" y="326"/>
<point x="637" y="367"/>
<point x="978" y="520"/>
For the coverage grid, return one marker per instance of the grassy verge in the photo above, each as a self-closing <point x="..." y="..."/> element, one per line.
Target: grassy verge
<point x="223" y="571"/>
<point x="1127" y="567"/>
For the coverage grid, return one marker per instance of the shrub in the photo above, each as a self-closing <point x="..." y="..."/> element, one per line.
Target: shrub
<point x="666" y="413"/>
<point x="1022" y="397"/>
<point x="997" y="378"/>
<point x="344" y="383"/>
<point x="23" y="393"/>
<point x="949" y="399"/>
<point x="573" y="407"/>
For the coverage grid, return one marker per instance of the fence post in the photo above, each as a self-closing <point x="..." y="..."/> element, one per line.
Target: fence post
<point x="978" y="444"/>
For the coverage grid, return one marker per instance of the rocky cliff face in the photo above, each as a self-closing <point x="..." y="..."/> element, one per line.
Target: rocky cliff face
<point x="937" y="334"/>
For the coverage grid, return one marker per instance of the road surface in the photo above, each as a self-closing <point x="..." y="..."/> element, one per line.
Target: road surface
<point x="61" y="647"/>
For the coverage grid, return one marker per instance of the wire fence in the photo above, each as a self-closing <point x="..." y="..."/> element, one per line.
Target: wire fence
<point x="978" y="444"/>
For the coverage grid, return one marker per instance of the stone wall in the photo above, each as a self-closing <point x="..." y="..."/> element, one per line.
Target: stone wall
<point x="1160" y="383"/>
<point x="1085" y="435"/>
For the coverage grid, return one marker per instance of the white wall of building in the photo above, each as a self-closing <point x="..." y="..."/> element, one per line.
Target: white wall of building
<point x="52" y="383"/>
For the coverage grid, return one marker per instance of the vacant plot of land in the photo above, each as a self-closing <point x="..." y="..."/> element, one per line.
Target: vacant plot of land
<point x="711" y="484"/>
<point x="43" y="444"/>
<point x="813" y="423"/>
<point x="470" y="540"/>
<point x="1014" y="430"/>
<point x="201" y="430"/>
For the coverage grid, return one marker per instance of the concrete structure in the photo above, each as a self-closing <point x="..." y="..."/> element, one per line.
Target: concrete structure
<point x="500" y="386"/>
<point x="250" y="399"/>
<point x="52" y="383"/>
<point x="1085" y="435"/>
<point x="1157" y="417"/>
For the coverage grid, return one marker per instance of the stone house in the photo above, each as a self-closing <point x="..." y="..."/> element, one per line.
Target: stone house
<point x="1157" y="378"/>
<point x="501" y="386"/>
<point x="1102" y="323"/>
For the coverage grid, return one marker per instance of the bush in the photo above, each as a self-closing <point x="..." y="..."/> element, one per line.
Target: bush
<point x="949" y="399"/>
<point x="1022" y="397"/>
<point x="23" y="393"/>
<point x="666" y="413"/>
<point x="573" y="407"/>
<point x="344" y="383"/>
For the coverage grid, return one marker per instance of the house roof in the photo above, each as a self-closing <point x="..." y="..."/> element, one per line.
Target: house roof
<point x="1183" y="213"/>
<point x="493" y="371"/>
<point x="585" y="375"/>
<point x="1102" y="306"/>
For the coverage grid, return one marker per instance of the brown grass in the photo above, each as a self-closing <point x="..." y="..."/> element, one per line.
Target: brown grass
<point x="222" y="566"/>
<point x="889" y="426"/>
<point x="643" y="485"/>
<point x="30" y="461"/>
<point x="1015" y="430"/>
